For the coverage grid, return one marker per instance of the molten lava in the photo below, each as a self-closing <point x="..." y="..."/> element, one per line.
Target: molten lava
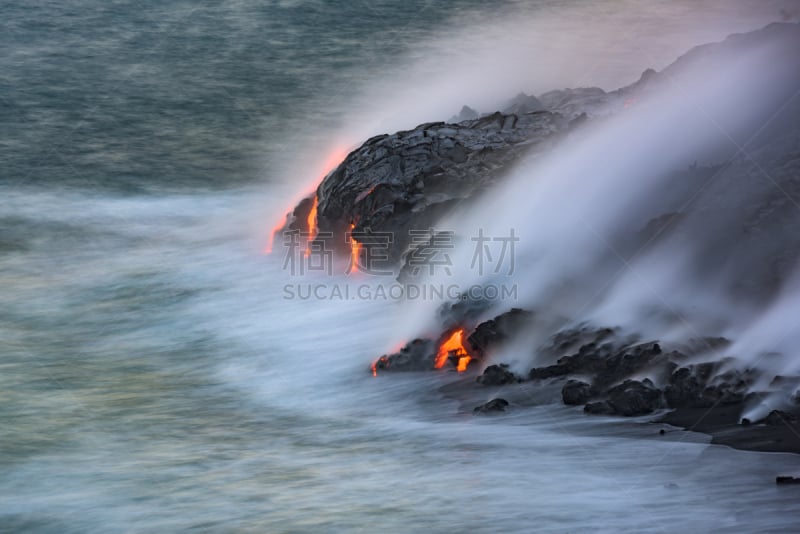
<point x="334" y="159"/>
<point x="312" y="225"/>
<point x="276" y="231"/>
<point x="355" y="250"/>
<point x="453" y="346"/>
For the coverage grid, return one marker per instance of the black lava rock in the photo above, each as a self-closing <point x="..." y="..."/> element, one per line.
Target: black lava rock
<point x="495" y="331"/>
<point x="697" y="386"/>
<point x="493" y="406"/>
<point x="576" y="392"/>
<point x="634" y="397"/>
<point x="778" y="418"/>
<point x="686" y="387"/>
<point x="497" y="375"/>
<point x="418" y="355"/>
<point x="409" y="179"/>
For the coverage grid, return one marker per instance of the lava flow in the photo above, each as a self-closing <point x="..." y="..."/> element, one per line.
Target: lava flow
<point x="355" y="250"/>
<point x="334" y="159"/>
<point x="453" y="347"/>
<point x="312" y="225"/>
<point x="278" y="227"/>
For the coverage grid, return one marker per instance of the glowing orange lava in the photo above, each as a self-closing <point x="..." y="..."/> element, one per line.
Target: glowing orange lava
<point x="454" y="345"/>
<point x="312" y="225"/>
<point x="334" y="159"/>
<point x="275" y="231"/>
<point x="355" y="251"/>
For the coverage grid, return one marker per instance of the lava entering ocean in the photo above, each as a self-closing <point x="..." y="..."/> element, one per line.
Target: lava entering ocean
<point x="355" y="251"/>
<point x="419" y="354"/>
<point x="334" y="159"/>
<point x="312" y="224"/>
<point x="453" y="347"/>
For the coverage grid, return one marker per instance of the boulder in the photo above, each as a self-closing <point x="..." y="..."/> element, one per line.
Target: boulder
<point x="628" y="361"/>
<point x="576" y="392"/>
<point x="495" y="331"/>
<point x="493" y="406"/>
<point x="686" y="387"/>
<point x="497" y="375"/>
<point x="699" y="386"/>
<point x="634" y="397"/>
<point x="417" y="355"/>
<point x="778" y="418"/>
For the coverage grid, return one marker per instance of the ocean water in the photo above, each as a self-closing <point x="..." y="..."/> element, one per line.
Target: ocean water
<point x="152" y="375"/>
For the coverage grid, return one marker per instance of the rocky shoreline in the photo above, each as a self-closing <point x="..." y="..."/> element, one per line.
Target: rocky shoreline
<point x="410" y="179"/>
<point x="607" y="373"/>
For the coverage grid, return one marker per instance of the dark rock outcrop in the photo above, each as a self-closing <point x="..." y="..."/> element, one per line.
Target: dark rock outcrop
<point x="408" y="180"/>
<point x="495" y="331"/>
<point x="634" y="397"/>
<point x="568" y="340"/>
<point x="778" y="417"/>
<point x="700" y="386"/>
<point x="418" y="355"/>
<point x="497" y="375"/>
<point x="605" y="362"/>
<point x="466" y="114"/>
<point x="631" y="398"/>
<point x="462" y="311"/>
<point x="628" y="361"/>
<point x="609" y="360"/>
<point x="576" y="392"/>
<point x="493" y="406"/>
<point x="522" y="104"/>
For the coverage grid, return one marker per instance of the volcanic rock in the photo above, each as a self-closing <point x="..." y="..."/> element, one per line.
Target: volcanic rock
<point x="628" y="361"/>
<point x="418" y="355"/>
<point x="698" y="386"/>
<point x="778" y="417"/>
<point x="605" y="363"/>
<point x="493" y="406"/>
<point x="461" y="312"/>
<point x="408" y="180"/>
<point x="576" y="392"/>
<point x="466" y="114"/>
<point x="495" y="331"/>
<point x="497" y="375"/>
<point x="631" y="398"/>
<point x="570" y="339"/>
<point x="634" y="397"/>
<point x="523" y="103"/>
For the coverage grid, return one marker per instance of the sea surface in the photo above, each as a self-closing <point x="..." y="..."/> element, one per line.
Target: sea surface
<point x="153" y="376"/>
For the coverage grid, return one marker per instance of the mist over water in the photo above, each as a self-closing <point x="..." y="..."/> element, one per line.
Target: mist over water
<point x="154" y="377"/>
<point x="688" y="154"/>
